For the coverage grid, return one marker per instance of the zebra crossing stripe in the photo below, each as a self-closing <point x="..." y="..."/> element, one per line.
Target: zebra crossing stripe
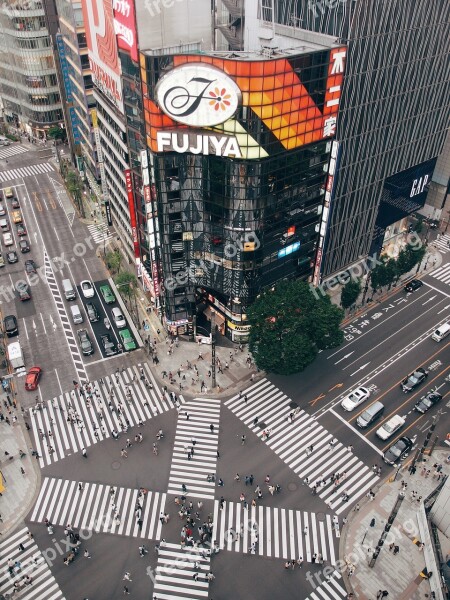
<point x="276" y="532"/>
<point x="11" y="151"/>
<point x="100" y="232"/>
<point x="68" y="438"/>
<point x="193" y="423"/>
<point x="28" y="171"/>
<point x="61" y="502"/>
<point x="442" y="243"/>
<point x="290" y="439"/>
<point x="442" y="273"/>
<point x="175" y="569"/>
<point x="33" y="564"/>
<point x="331" y="589"/>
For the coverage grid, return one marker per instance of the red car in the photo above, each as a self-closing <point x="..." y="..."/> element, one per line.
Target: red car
<point x="32" y="379"/>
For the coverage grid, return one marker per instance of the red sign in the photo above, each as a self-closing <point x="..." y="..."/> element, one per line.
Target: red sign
<point x="147" y="194"/>
<point x="291" y="230"/>
<point x="131" y="208"/>
<point x="125" y="26"/>
<point x="155" y="273"/>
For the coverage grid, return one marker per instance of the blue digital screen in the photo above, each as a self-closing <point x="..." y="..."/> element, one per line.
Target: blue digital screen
<point x="288" y="250"/>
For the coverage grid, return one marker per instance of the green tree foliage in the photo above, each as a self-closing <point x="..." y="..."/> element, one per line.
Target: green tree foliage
<point x="57" y="133"/>
<point x="409" y="257"/>
<point x="127" y="284"/>
<point x="113" y="261"/>
<point x="289" y="325"/>
<point x="350" y="293"/>
<point x="384" y="273"/>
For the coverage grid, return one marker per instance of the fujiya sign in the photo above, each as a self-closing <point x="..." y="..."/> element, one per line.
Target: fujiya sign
<point x="197" y="143"/>
<point x="198" y="95"/>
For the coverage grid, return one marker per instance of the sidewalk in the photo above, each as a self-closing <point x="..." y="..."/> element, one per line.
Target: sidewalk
<point x="398" y="574"/>
<point x="20" y="488"/>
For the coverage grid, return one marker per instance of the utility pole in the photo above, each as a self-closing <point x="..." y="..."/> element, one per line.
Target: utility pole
<point x="387" y="527"/>
<point x="213" y="350"/>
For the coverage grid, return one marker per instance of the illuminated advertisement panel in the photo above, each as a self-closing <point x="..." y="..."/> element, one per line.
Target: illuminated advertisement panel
<point x="102" y="45"/>
<point x="197" y="107"/>
<point x="125" y="26"/>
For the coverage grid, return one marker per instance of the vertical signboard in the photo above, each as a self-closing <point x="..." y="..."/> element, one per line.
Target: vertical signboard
<point x="125" y="27"/>
<point x="68" y="87"/>
<point x="131" y="208"/>
<point x="101" y="166"/>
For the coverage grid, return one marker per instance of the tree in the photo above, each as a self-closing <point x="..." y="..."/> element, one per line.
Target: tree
<point x="384" y="273"/>
<point x="350" y="293"/>
<point x="127" y="284"/>
<point x="113" y="261"/>
<point x="409" y="257"/>
<point x="75" y="187"/>
<point x="57" y="133"/>
<point x="289" y="324"/>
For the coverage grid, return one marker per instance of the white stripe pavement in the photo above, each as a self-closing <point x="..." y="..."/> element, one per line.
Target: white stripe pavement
<point x="330" y="588"/>
<point x="175" y="571"/>
<point x="28" y="171"/>
<point x="99" y="507"/>
<point x="442" y="273"/>
<point x="442" y="243"/>
<point x="278" y="532"/>
<point x="6" y="152"/>
<point x="290" y="440"/>
<point x="100" y="232"/>
<point x="33" y="564"/>
<point x="95" y="420"/>
<point x="193" y="425"/>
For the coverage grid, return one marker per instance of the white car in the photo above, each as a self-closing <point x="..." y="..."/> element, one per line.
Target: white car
<point x="355" y="398"/>
<point x="390" y="427"/>
<point x="87" y="288"/>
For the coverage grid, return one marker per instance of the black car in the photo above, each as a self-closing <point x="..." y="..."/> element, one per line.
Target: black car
<point x="413" y="285"/>
<point x="24" y="245"/>
<point x="21" y="230"/>
<point x="15" y="203"/>
<point x="23" y="291"/>
<point x="12" y="257"/>
<point x="30" y="266"/>
<point x="10" y="325"/>
<point x="427" y="402"/>
<point x="85" y="342"/>
<point x="108" y="345"/>
<point x="92" y="312"/>
<point x="414" y="380"/>
<point x="398" y="451"/>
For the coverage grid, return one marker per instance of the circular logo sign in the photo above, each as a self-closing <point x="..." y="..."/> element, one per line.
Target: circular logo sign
<point x="198" y="95"/>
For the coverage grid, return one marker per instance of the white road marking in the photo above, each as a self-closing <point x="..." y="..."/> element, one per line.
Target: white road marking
<point x="377" y="450"/>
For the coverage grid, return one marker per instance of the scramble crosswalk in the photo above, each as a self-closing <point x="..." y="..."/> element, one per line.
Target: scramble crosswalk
<point x="442" y="243"/>
<point x="100" y="232"/>
<point x="8" y="151"/>
<point x="27" y="563"/>
<point x="442" y="273"/>
<point x="175" y="570"/>
<point x="274" y="532"/>
<point x="194" y="437"/>
<point x="28" y="171"/>
<point x="291" y="440"/>
<point x="331" y="589"/>
<point x="100" y="508"/>
<point x="71" y="422"/>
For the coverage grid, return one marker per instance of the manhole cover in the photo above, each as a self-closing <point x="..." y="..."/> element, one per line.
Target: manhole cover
<point x="116" y="465"/>
<point x="320" y="516"/>
<point x="292" y="486"/>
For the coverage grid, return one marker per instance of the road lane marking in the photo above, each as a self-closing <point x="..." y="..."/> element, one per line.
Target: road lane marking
<point x="344" y="357"/>
<point x="313" y="402"/>
<point x="357" y="370"/>
<point x="436" y="289"/>
<point x="358" y="433"/>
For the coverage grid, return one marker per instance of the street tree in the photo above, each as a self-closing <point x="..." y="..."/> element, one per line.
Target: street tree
<point x="57" y="133"/>
<point x="113" y="261"/>
<point x="75" y="188"/>
<point x="350" y="293"/>
<point x="290" y="324"/>
<point x="410" y="256"/>
<point x="384" y="273"/>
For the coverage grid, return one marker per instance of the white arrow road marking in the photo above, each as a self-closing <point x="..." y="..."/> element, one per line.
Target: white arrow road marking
<point x="429" y="300"/>
<point x="343" y="358"/>
<point x="360" y="369"/>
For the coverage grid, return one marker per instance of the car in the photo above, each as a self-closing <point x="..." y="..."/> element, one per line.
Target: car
<point x="24" y="245"/>
<point x="414" y="380"/>
<point x="30" y="266"/>
<point x="413" y="285"/>
<point x="7" y="239"/>
<point x="398" y="451"/>
<point x="427" y="402"/>
<point x="390" y="427"/>
<point x="127" y="341"/>
<point x="21" y="231"/>
<point x="2" y="260"/>
<point x="15" y="203"/>
<point x="10" y="325"/>
<point x="32" y="378"/>
<point x="4" y="224"/>
<point x="87" y="288"/>
<point x="108" y="345"/>
<point x="87" y="347"/>
<point x="107" y="294"/>
<point x="16" y="217"/>
<point x="355" y="398"/>
<point x="2" y="211"/>
<point x="12" y="257"/>
<point x="23" y="291"/>
<point x="92" y="312"/>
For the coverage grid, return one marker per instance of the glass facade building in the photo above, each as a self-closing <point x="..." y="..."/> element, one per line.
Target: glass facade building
<point x="28" y="76"/>
<point x="240" y="203"/>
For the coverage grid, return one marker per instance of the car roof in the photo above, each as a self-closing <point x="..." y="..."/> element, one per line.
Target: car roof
<point x="396" y="419"/>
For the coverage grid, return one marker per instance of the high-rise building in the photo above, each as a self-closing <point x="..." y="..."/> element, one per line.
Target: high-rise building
<point x="28" y="76"/>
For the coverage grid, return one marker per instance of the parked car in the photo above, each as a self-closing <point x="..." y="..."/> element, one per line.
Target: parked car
<point x="23" y="291"/>
<point x="2" y="260"/>
<point x="30" y="267"/>
<point x="108" y="345"/>
<point x="87" y="288"/>
<point x="15" y="203"/>
<point x="86" y="345"/>
<point x="388" y="429"/>
<point x="427" y="402"/>
<point x="2" y="210"/>
<point x="355" y="398"/>
<point x="413" y="285"/>
<point x="107" y="294"/>
<point x="24" y="245"/>
<point x="92" y="312"/>
<point x="10" y="325"/>
<point x="414" y="380"/>
<point x="32" y="378"/>
<point x="21" y="231"/>
<point x="127" y="341"/>
<point x="12" y="257"/>
<point x="398" y="451"/>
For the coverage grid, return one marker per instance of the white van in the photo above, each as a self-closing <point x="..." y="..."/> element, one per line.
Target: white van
<point x="4" y="225"/>
<point x="7" y="239"/>
<point x="441" y="332"/>
<point x="4" y="141"/>
<point x="15" y="356"/>
<point x="118" y="317"/>
<point x="77" y="317"/>
<point x="69" y="291"/>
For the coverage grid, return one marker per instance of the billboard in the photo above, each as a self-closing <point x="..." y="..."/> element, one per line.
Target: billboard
<point x="132" y="209"/>
<point x="125" y="27"/>
<point x="102" y="45"/>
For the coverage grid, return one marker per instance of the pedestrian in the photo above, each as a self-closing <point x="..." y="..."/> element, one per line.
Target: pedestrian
<point x="305" y="530"/>
<point x="350" y="448"/>
<point x="86" y="554"/>
<point x="211" y="428"/>
<point x="123" y="453"/>
<point x="21" y="547"/>
<point x="391" y="547"/>
<point x="243" y="439"/>
<point x="127" y="576"/>
<point x="396" y="550"/>
<point x="237" y="477"/>
<point x="372" y="523"/>
<point x="126" y="590"/>
<point x="84" y="453"/>
<point x="300" y="562"/>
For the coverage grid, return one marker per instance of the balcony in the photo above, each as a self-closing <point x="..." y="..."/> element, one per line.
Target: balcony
<point x="234" y="7"/>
